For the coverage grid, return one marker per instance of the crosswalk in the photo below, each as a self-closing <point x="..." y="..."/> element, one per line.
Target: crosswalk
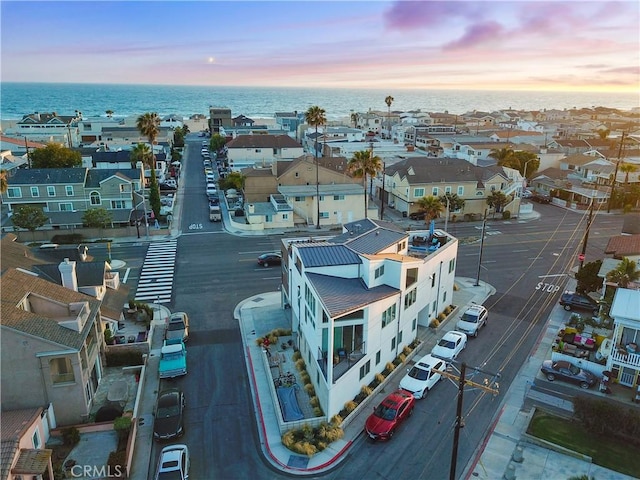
<point x="156" y="278"/>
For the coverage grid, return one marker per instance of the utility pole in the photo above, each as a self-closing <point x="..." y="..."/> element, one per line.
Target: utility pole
<point x="26" y="146"/>
<point x="384" y="167"/>
<point x="586" y="236"/>
<point x="488" y="386"/>
<point x="484" y="226"/>
<point x="615" y="174"/>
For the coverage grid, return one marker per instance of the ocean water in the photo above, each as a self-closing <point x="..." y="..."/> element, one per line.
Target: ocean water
<point x="18" y="99"/>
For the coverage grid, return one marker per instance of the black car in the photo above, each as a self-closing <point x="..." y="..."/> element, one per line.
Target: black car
<point x="267" y="259"/>
<point x="567" y="371"/>
<point x="540" y="198"/>
<point x="572" y="300"/>
<point x="169" y="422"/>
<point x="417" y="215"/>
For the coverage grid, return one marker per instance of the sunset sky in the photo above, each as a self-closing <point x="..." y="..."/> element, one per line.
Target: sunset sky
<point x="517" y="45"/>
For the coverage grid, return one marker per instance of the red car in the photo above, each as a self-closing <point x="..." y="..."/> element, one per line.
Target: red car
<point x="389" y="414"/>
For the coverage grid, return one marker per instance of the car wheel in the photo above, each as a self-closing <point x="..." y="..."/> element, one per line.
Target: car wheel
<point x="424" y="393"/>
<point x="567" y="307"/>
<point x="411" y="411"/>
<point x="584" y="385"/>
<point x="475" y="334"/>
<point x="391" y="434"/>
<point x="265" y="264"/>
<point x="551" y="377"/>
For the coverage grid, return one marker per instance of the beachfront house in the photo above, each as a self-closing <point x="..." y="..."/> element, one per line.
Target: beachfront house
<point x="261" y="150"/>
<point x="624" y="360"/>
<point x="357" y="300"/>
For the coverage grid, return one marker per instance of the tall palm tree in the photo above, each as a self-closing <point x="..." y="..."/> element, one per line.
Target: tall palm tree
<point x="625" y="273"/>
<point x="627" y="168"/>
<point x="354" y="118"/>
<point x="431" y="206"/>
<point x="140" y="153"/>
<point x="389" y="101"/>
<point x="502" y="155"/>
<point x="148" y="125"/>
<point x="315" y="117"/>
<point x="364" y="164"/>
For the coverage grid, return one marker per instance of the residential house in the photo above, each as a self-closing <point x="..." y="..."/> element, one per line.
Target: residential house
<point x="242" y="121"/>
<point x="624" y="246"/>
<point x="18" y="145"/>
<point x="286" y="194"/>
<point x="290" y="121"/>
<point x="357" y="299"/>
<point x="9" y="163"/>
<point x="50" y="127"/>
<point x="172" y="121"/>
<point x="371" y="121"/>
<point x="64" y="194"/>
<point x="413" y="178"/>
<point x="624" y="360"/>
<point x="108" y="159"/>
<point x="24" y="435"/>
<point x="219" y="117"/>
<point x="51" y="343"/>
<point x="261" y="150"/>
<point x="519" y="136"/>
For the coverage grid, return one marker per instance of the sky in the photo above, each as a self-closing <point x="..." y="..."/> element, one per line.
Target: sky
<point x="477" y="45"/>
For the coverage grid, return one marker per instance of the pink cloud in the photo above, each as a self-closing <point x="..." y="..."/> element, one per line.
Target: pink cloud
<point x="413" y="15"/>
<point x="475" y="35"/>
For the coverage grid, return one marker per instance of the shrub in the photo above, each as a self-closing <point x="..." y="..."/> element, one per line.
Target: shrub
<point x="288" y="438"/>
<point x="336" y="420"/>
<point x="305" y="448"/>
<point x="123" y="358"/>
<point x="442" y="317"/>
<point x="366" y="390"/>
<point x="259" y="341"/>
<point x="389" y="367"/>
<point x="67" y="239"/>
<point x="300" y="365"/>
<point x="350" y="406"/>
<point x="402" y="357"/>
<point x="117" y="460"/>
<point x="506" y="215"/>
<point x="309" y="389"/>
<point x="435" y="323"/>
<point x="314" y="402"/>
<point x="71" y="436"/>
<point x="122" y="425"/>
<point x="380" y="378"/>
<point x="317" y="411"/>
<point x="306" y="378"/>
<point x="282" y="332"/>
<point x="297" y="356"/>
<point x="407" y="349"/>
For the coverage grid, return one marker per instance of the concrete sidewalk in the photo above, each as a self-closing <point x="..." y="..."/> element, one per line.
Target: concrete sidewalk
<point x="267" y="308"/>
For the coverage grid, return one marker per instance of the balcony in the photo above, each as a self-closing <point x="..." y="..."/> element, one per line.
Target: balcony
<point x="343" y="361"/>
<point x="62" y="378"/>
<point x="626" y="356"/>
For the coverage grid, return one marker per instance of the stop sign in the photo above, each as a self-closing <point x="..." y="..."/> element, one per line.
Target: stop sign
<point x="581" y="257"/>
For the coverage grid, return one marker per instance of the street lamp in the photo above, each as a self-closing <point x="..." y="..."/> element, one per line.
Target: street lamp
<point x="524" y="174"/>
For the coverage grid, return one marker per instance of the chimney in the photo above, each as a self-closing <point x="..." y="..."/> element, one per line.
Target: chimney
<point x="68" y="274"/>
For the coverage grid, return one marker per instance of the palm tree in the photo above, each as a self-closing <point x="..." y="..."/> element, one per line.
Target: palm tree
<point x="389" y="101"/>
<point x="431" y="206"/>
<point x="354" y="118"/>
<point x="627" y="168"/>
<point x="497" y="200"/>
<point x="502" y="155"/>
<point x="140" y="153"/>
<point x="625" y="273"/>
<point x="148" y="125"/>
<point x="4" y="185"/>
<point x="109" y="113"/>
<point x="315" y="117"/>
<point x="364" y="164"/>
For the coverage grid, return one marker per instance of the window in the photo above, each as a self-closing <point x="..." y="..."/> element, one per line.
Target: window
<point x="35" y="192"/>
<point x="452" y="265"/>
<point x="14" y="192"/>
<point x="310" y="300"/>
<point x="299" y="199"/>
<point x="434" y="191"/>
<point x="447" y="190"/>
<point x="364" y="369"/>
<point x="66" y="207"/>
<point x="268" y="219"/>
<point x="460" y="191"/>
<point x="399" y="337"/>
<point x="379" y="271"/>
<point x="418" y="192"/>
<point x="389" y="315"/>
<point x="433" y="280"/>
<point x="95" y="198"/>
<point x="61" y="370"/>
<point x="413" y="325"/>
<point x="51" y="191"/>
<point x="297" y="175"/>
<point x="411" y="277"/>
<point x="444" y="297"/>
<point x="125" y="188"/>
<point x="378" y="357"/>
<point x="118" y="204"/>
<point x="410" y="298"/>
<point x="322" y="198"/>
<point x="324" y="214"/>
<point x="285" y="216"/>
<point x="69" y="190"/>
<point x="479" y="193"/>
<point x="36" y="439"/>
<point x="393" y="343"/>
<point x="338" y="197"/>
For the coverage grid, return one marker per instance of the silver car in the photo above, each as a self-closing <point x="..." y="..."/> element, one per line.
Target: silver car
<point x="178" y="327"/>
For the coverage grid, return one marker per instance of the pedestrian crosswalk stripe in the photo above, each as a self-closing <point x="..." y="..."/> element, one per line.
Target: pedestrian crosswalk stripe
<point x="156" y="276"/>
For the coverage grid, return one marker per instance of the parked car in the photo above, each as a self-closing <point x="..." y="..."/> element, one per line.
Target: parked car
<point x="178" y="326"/>
<point x="173" y="359"/>
<point x="540" y="198"/>
<point x="450" y="345"/>
<point x="173" y="463"/>
<point x="527" y="194"/>
<point x="472" y="320"/>
<point x="567" y="371"/>
<point x="169" y="420"/>
<point x="170" y="182"/>
<point x="417" y="215"/>
<point x="267" y="259"/>
<point x="212" y="191"/>
<point x="421" y="378"/>
<point x="386" y="417"/>
<point x="573" y="300"/>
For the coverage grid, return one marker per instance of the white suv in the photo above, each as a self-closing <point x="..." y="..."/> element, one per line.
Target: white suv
<point x="422" y="377"/>
<point x="472" y="320"/>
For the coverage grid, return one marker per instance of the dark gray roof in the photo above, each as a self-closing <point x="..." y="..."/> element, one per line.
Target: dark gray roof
<point x="97" y="175"/>
<point x="436" y="170"/>
<point x="111" y="157"/>
<point x="89" y="274"/>
<point x="370" y="236"/>
<point x="342" y="295"/>
<point x="324" y="255"/>
<point x="44" y="176"/>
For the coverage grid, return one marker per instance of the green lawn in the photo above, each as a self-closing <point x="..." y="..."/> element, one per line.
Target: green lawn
<point x="605" y="451"/>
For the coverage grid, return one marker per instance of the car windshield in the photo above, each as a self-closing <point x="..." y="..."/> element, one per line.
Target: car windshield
<point x="385" y="412"/>
<point x="172" y="475"/>
<point x="176" y="325"/>
<point x="574" y="370"/>
<point x="168" y="411"/>
<point x="419" y="373"/>
<point x="468" y="317"/>
<point x="446" y="344"/>
<point x="172" y="356"/>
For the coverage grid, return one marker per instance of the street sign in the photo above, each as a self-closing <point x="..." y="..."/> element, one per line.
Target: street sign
<point x="581" y="257"/>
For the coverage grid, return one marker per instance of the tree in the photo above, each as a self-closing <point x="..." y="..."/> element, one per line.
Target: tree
<point x="315" y="117"/>
<point x="588" y="279"/>
<point x="525" y="162"/>
<point x="148" y="125"/>
<point x="603" y="134"/>
<point x="364" y="164"/>
<point x="627" y="168"/>
<point x="354" y="118"/>
<point x="97" y="218"/>
<point x="55" y="155"/>
<point x="431" y="206"/>
<point x="455" y="202"/>
<point x="497" y="200"/>
<point x="140" y="153"/>
<point x="109" y="113"/>
<point x="501" y="155"/>
<point x="217" y="142"/>
<point x="4" y="185"/>
<point x="389" y="100"/>
<point x="28" y="217"/>
<point x="178" y="137"/>
<point x="154" y="194"/>
<point x="625" y="273"/>
<point x="234" y="180"/>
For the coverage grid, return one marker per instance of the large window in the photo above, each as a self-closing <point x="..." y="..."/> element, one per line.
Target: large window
<point x="14" y="192"/>
<point x="389" y="315"/>
<point x="69" y="190"/>
<point x="338" y="197"/>
<point x="51" y="191"/>
<point x="118" y="204"/>
<point x="349" y="338"/>
<point x="411" y="277"/>
<point x="418" y="192"/>
<point x="66" y="207"/>
<point x="379" y="271"/>
<point x="95" y="198"/>
<point x="310" y="300"/>
<point x="35" y="192"/>
<point x="410" y="298"/>
<point x="61" y="370"/>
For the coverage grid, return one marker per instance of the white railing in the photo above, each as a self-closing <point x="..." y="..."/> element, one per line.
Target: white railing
<point x="624" y="358"/>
